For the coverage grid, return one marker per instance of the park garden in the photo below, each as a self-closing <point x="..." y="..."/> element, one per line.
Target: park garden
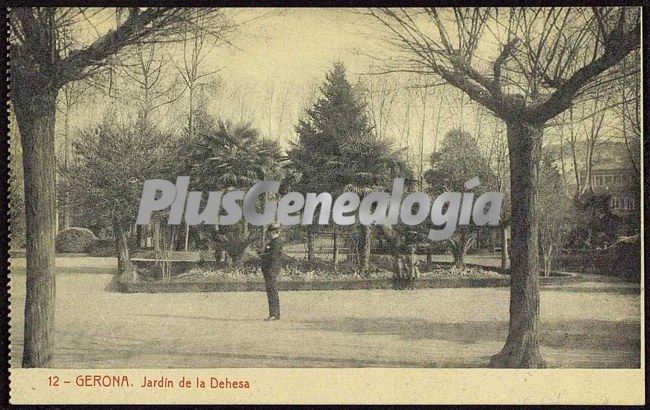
<point x="437" y="103"/>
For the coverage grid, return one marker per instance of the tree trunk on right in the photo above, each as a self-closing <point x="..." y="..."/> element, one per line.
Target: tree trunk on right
<point x="521" y="349"/>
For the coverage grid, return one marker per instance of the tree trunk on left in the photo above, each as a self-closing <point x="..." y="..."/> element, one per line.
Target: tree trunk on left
<point x="35" y="107"/>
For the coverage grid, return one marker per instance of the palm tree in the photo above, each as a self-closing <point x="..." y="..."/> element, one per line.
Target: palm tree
<point x="369" y="164"/>
<point x="227" y="156"/>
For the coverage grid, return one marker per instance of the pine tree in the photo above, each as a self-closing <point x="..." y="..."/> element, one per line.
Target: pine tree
<point x="337" y="151"/>
<point x="337" y="119"/>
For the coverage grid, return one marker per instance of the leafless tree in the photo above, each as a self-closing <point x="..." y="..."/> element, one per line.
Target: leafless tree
<point x="70" y="97"/>
<point x="150" y="84"/>
<point x="497" y="157"/>
<point x="629" y="113"/>
<point x="380" y="93"/>
<point x="197" y="46"/>
<point x="592" y="130"/>
<point x="526" y="65"/>
<point x="47" y="52"/>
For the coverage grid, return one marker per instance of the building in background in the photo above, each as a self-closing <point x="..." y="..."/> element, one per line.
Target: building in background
<point x="619" y="182"/>
<point x="613" y="173"/>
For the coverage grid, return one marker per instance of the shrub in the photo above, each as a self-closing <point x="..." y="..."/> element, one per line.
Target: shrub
<point x="74" y="240"/>
<point x="101" y="247"/>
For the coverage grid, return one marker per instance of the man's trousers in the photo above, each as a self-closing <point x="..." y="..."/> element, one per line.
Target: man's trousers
<point x="272" y="295"/>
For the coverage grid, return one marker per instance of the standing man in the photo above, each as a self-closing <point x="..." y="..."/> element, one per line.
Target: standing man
<point x="271" y="262"/>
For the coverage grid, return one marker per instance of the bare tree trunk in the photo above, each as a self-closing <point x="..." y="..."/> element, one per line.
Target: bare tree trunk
<point x="521" y="349"/>
<point x="364" y="257"/>
<point x="138" y="235"/>
<point x="548" y="260"/>
<point x="396" y="252"/>
<point x="156" y="236"/>
<point x="588" y="185"/>
<point x="186" y="246"/>
<point x="35" y="114"/>
<point x="122" y="248"/>
<point x="574" y="155"/>
<point x="505" y="256"/>
<point x="335" y="249"/>
<point x="310" y="244"/>
<point x="459" y="248"/>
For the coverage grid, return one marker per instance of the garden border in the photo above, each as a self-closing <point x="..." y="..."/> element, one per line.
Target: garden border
<point x="561" y="278"/>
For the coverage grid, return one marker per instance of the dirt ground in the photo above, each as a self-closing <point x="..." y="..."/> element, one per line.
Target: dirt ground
<point x="593" y="325"/>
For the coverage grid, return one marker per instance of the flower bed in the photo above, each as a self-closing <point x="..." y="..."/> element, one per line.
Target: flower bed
<point x="297" y="275"/>
<point x="291" y="278"/>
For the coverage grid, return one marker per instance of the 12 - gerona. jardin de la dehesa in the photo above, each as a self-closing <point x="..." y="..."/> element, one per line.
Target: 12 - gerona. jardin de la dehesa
<point x="446" y="211"/>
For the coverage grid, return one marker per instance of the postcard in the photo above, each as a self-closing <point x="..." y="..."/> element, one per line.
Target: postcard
<point x="325" y="205"/>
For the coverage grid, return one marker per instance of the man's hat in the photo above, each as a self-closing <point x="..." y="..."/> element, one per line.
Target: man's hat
<point x="274" y="226"/>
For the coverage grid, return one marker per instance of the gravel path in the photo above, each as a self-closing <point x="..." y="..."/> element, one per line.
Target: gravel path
<point x="378" y="328"/>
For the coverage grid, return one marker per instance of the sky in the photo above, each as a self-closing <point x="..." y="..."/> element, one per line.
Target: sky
<point x="280" y="59"/>
<point x="298" y="44"/>
<point x="270" y="76"/>
<point x="287" y="54"/>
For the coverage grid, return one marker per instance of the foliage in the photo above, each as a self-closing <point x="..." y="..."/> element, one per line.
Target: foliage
<point x="555" y="213"/>
<point x="101" y="247"/>
<point x="48" y="50"/>
<point x="112" y="162"/>
<point x="458" y="160"/>
<point x="74" y="240"/>
<point x="336" y="145"/>
<point x="337" y="115"/>
<point x="296" y="270"/>
<point x="338" y="151"/>
<point x="222" y="156"/>
<point x="595" y="225"/>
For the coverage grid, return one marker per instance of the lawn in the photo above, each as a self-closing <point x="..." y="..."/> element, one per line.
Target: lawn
<point x="591" y="325"/>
